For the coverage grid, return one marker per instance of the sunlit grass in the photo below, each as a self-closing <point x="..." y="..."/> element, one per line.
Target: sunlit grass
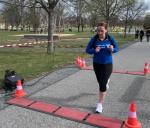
<point x="34" y="61"/>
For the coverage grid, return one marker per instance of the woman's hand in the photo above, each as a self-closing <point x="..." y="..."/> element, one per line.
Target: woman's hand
<point x="111" y="48"/>
<point x="98" y="49"/>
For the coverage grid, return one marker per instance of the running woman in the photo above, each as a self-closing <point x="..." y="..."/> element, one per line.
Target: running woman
<point x="102" y="45"/>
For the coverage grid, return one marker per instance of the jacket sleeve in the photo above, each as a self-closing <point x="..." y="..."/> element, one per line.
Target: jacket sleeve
<point x="114" y="43"/>
<point x="90" y="49"/>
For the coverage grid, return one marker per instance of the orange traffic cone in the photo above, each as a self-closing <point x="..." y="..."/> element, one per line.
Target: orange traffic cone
<point x="132" y="121"/>
<point x="83" y="63"/>
<point x="77" y="60"/>
<point x="19" y="91"/>
<point x="80" y="62"/>
<point x="146" y="70"/>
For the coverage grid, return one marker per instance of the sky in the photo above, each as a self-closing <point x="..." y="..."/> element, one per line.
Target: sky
<point x="147" y="2"/>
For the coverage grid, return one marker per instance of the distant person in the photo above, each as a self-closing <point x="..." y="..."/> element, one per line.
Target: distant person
<point x="137" y="34"/>
<point x="41" y="31"/>
<point x="70" y="29"/>
<point x="102" y="45"/>
<point x="147" y="34"/>
<point x="141" y="35"/>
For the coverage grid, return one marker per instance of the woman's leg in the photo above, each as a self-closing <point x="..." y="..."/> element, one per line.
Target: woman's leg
<point x="103" y="72"/>
<point x="103" y="94"/>
<point x="102" y="97"/>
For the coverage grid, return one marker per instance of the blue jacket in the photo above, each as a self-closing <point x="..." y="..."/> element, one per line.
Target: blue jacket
<point x="105" y="55"/>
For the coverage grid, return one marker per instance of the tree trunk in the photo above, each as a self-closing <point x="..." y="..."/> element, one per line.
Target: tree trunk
<point x="130" y="29"/>
<point x="125" y="30"/>
<point x="78" y="28"/>
<point x="131" y="26"/>
<point x="82" y="27"/>
<point x="21" y="15"/>
<point x="6" y="25"/>
<point x="50" y="47"/>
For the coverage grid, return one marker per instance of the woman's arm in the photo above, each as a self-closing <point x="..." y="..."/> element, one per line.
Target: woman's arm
<point x="90" y="47"/>
<point x="115" y="45"/>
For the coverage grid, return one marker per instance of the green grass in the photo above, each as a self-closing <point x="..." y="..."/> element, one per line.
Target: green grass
<point x="81" y="39"/>
<point x="34" y="61"/>
<point x="8" y="37"/>
<point x="31" y="62"/>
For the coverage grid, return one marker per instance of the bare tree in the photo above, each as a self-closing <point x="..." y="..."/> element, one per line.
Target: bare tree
<point x="11" y="14"/>
<point x="59" y="16"/>
<point x="19" y="6"/>
<point x="132" y="10"/>
<point x="34" y="17"/>
<point x="136" y="11"/>
<point x="146" y="21"/>
<point x="49" y="6"/>
<point x="79" y="6"/>
<point x="107" y="8"/>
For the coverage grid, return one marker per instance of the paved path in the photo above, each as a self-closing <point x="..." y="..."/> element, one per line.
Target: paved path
<point x="79" y="90"/>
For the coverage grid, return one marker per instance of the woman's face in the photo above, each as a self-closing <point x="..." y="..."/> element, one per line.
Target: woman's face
<point x="101" y="31"/>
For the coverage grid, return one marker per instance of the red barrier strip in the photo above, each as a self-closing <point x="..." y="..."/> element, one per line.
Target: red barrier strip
<point x="23" y="102"/>
<point x="68" y="113"/>
<point x="105" y="122"/>
<point x="121" y="71"/>
<point x="44" y="107"/>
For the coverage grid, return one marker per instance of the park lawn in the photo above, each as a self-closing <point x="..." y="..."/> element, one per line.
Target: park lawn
<point x="8" y="37"/>
<point x="34" y="61"/>
<point x="76" y="41"/>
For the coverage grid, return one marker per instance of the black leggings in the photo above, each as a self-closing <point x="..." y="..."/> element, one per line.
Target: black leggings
<point x="102" y="72"/>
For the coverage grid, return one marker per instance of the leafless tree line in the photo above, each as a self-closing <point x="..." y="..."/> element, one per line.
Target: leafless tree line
<point x="57" y="14"/>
